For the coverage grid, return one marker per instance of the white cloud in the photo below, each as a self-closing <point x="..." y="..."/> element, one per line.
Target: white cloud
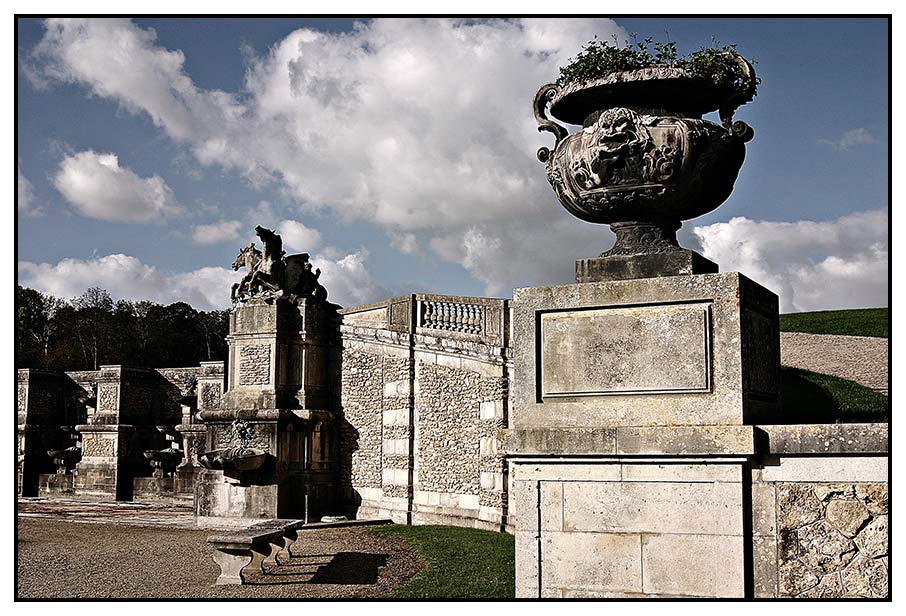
<point x="406" y="243"/>
<point x="811" y="265"/>
<point x="97" y="187"/>
<point x="850" y="139"/>
<point x="25" y="195"/>
<point x="126" y="277"/>
<point x="346" y="278"/>
<point x="216" y="232"/>
<point x="297" y="236"/>
<point x="421" y="126"/>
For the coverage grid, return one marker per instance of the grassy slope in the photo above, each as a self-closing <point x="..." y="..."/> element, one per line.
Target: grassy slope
<point x="809" y="397"/>
<point x="862" y="322"/>
<point x="460" y="562"/>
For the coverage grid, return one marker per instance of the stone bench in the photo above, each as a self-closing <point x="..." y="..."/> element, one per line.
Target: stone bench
<point x="242" y="552"/>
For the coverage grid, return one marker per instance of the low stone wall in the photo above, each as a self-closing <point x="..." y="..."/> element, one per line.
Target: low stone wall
<point x="820" y="512"/>
<point x="424" y="391"/>
<point x="701" y="511"/>
<point x="861" y="359"/>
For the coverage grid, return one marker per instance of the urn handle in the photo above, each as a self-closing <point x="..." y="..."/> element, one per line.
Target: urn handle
<point x="744" y="94"/>
<point x="542" y="98"/>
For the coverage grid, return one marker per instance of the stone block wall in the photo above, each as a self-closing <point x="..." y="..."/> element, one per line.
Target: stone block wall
<point x="423" y="393"/>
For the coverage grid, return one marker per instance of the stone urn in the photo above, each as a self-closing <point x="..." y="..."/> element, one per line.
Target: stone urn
<point x="644" y="160"/>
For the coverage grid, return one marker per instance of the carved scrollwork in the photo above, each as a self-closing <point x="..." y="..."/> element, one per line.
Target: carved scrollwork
<point x="542" y="99"/>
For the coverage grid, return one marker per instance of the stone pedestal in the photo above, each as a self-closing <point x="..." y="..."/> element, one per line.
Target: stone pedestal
<point x="269" y="443"/>
<point x="677" y="262"/>
<point x="631" y="407"/>
<point x="116" y="435"/>
<point x="41" y="415"/>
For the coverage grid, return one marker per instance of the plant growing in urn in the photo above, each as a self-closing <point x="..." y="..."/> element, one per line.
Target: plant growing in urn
<point x="645" y="160"/>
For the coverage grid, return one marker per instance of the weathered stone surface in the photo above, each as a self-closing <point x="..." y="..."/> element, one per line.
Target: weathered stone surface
<point x="764" y="566"/>
<point x="872" y="540"/>
<point x="824" y="548"/>
<point x="827" y="469"/>
<point x="825" y="491"/>
<point x="701" y="508"/>
<point x="795" y="578"/>
<point x="865" y="577"/>
<point x="846" y="515"/>
<point x="826" y="438"/>
<point x="654" y="349"/>
<point x="626" y="267"/>
<point x="797" y="505"/>
<point x="693" y="565"/>
<point x="829" y="587"/>
<point x="874" y="495"/>
<point x="616" y="557"/>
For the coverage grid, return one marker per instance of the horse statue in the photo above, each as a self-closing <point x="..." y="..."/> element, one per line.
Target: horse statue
<point x="249" y="258"/>
<point x="274" y="273"/>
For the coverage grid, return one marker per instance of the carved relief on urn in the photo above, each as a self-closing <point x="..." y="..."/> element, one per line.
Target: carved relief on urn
<point x="644" y="159"/>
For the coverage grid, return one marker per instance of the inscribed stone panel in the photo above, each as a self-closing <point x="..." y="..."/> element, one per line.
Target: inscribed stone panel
<point x="619" y="350"/>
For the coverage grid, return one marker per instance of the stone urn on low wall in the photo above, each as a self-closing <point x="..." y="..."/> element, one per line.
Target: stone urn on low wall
<point x="644" y="160"/>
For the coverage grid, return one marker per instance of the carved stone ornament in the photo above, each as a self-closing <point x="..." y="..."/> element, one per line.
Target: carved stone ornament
<point x="273" y="274"/>
<point x="644" y="159"/>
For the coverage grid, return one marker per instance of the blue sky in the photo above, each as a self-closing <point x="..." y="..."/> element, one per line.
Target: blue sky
<point x="400" y="154"/>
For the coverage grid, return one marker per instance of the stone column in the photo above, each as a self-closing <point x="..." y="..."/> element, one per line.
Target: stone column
<point x="631" y="412"/>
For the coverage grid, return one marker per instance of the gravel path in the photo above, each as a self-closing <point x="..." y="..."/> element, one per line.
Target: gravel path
<point x="858" y="358"/>
<point x="67" y="560"/>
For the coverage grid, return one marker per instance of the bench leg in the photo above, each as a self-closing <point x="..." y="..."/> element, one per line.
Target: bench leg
<point x="275" y="547"/>
<point x="231" y="562"/>
<point x="288" y="540"/>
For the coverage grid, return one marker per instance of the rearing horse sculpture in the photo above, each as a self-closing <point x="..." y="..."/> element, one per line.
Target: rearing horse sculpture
<point x="249" y="258"/>
<point x="276" y="272"/>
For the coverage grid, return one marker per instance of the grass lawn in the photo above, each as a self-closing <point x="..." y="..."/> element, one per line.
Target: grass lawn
<point x="460" y="562"/>
<point x="862" y="322"/>
<point x="809" y="397"/>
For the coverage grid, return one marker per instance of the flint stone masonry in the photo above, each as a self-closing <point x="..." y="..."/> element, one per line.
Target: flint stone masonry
<point x="424" y="393"/>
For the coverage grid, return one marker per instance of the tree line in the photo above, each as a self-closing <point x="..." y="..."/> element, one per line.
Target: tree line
<point x="92" y="330"/>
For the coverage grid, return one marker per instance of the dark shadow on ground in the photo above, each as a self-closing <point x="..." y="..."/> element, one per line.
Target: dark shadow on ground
<point x="350" y="568"/>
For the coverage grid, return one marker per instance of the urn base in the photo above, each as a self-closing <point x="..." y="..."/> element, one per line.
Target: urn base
<point x="652" y="265"/>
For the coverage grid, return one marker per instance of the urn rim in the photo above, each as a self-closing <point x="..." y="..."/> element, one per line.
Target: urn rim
<point x="657" y="87"/>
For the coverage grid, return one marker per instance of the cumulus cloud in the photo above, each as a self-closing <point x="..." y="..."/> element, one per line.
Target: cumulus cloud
<point x="347" y="279"/>
<point x="97" y="187"/>
<point x="216" y="232"/>
<point x="127" y="277"/>
<point x="297" y="236"/>
<point x="412" y="124"/>
<point x="206" y="288"/>
<point x="25" y="195"/>
<point x="850" y="139"/>
<point x="811" y="265"/>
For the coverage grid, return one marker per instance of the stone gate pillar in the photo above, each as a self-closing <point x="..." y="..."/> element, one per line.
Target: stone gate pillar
<point x="269" y="441"/>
